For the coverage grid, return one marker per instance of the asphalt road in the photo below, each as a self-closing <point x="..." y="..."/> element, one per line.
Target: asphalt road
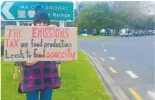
<point x="129" y="61"/>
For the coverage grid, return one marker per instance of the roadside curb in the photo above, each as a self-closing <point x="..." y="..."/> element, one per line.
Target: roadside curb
<point x="115" y="90"/>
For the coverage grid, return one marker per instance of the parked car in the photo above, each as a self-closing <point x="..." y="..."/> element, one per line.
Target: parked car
<point x="102" y="31"/>
<point x="83" y="32"/>
<point x="140" y="33"/>
<point x="130" y="32"/>
<point x="153" y="32"/>
<point x="135" y="33"/>
<point x="123" y="32"/>
<point x="106" y="32"/>
<point x="126" y="32"/>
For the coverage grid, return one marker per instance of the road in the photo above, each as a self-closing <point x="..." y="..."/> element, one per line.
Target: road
<point x="129" y="61"/>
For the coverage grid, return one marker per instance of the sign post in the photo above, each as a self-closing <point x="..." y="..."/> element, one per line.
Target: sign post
<point x="17" y="23"/>
<point x="24" y="11"/>
<point x="62" y="24"/>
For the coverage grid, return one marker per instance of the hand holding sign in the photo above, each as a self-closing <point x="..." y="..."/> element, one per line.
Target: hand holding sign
<point x="31" y="62"/>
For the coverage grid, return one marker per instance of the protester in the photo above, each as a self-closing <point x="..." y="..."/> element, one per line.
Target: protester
<point x="39" y="76"/>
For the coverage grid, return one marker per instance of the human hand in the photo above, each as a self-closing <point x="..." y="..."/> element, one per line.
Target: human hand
<point x="31" y="62"/>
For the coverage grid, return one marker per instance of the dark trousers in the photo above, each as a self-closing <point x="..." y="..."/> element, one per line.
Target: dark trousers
<point x="45" y="94"/>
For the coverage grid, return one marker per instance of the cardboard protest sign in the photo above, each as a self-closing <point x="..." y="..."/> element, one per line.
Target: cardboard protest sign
<point x="23" y="43"/>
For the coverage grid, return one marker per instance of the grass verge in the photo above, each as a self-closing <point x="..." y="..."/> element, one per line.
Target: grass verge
<point x="79" y="82"/>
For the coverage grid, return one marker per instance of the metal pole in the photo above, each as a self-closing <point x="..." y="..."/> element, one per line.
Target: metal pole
<point x="61" y="24"/>
<point x="78" y="13"/>
<point x="17" y="23"/>
<point x="154" y="62"/>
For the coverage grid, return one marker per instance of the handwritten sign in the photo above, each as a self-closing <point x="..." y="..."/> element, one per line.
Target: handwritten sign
<point x="42" y="43"/>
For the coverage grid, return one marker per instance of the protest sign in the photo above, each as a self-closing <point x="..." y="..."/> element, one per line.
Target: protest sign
<point x="43" y="43"/>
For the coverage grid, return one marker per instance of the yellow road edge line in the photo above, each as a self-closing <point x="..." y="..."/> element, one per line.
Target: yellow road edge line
<point x="113" y="70"/>
<point x="102" y="59"/>
<point x="135" y="94"/>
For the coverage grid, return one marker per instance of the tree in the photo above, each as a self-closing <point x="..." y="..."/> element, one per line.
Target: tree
<point x="95" y="15"/>
<point x="115" y="15"/>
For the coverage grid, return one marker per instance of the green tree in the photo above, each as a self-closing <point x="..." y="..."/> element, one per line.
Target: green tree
<point x="115" y="15"/>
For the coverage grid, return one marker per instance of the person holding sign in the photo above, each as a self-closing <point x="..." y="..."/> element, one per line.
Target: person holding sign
<point x="39" y="76"/>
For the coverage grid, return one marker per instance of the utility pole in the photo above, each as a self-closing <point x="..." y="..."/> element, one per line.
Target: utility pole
<point x="78" y="13"/>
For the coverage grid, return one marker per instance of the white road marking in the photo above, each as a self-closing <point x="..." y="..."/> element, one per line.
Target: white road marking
<point x="132" y="74"/>
<point x="105" y="50"/>
<point x="93" y="53"/>
<point x="102" y="45"/>
<point x="152" y="94"/>
<point x="112" y="58"/>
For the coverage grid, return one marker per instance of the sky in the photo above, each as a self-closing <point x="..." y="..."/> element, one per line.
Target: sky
<point x="74" y="1"/>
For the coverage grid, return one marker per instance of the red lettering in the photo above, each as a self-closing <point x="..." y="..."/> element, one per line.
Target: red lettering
<point x="55" y="55"/>
<point x="34" y="32"/>
<point x="52" y="54"/>
<point x="12" y="43"/>
<point x="7" y="43"/>
<point x="16" y="43"/>
<point x="10" y="32"/>
<point x="50" y="35"/>
<point x="73" y="55"/>
<point x="59" y="54"/>
<point x="40" y="32"/>
<point x="55" y="33"/>
<point x="66" y="33"/>
<point x="16" y="33"/>
<point x="68" y="50"/>
<point x="46" y="32"/>
<point x="50" y="32"/>
<point x="61" y="32"/>
<point x="48" y="55"/>
<point x="62" y="55"/>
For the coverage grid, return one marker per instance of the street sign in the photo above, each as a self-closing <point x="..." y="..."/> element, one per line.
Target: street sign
<point x="24" y="11"/>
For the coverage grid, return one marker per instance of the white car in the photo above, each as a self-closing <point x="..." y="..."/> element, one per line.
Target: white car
<point x="102" y="31"/>
<point x="123" y="32"/>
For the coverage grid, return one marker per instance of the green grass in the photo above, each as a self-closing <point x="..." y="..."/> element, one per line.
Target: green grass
<point x="95" y="37"/>
<point x="79" y="82"/>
